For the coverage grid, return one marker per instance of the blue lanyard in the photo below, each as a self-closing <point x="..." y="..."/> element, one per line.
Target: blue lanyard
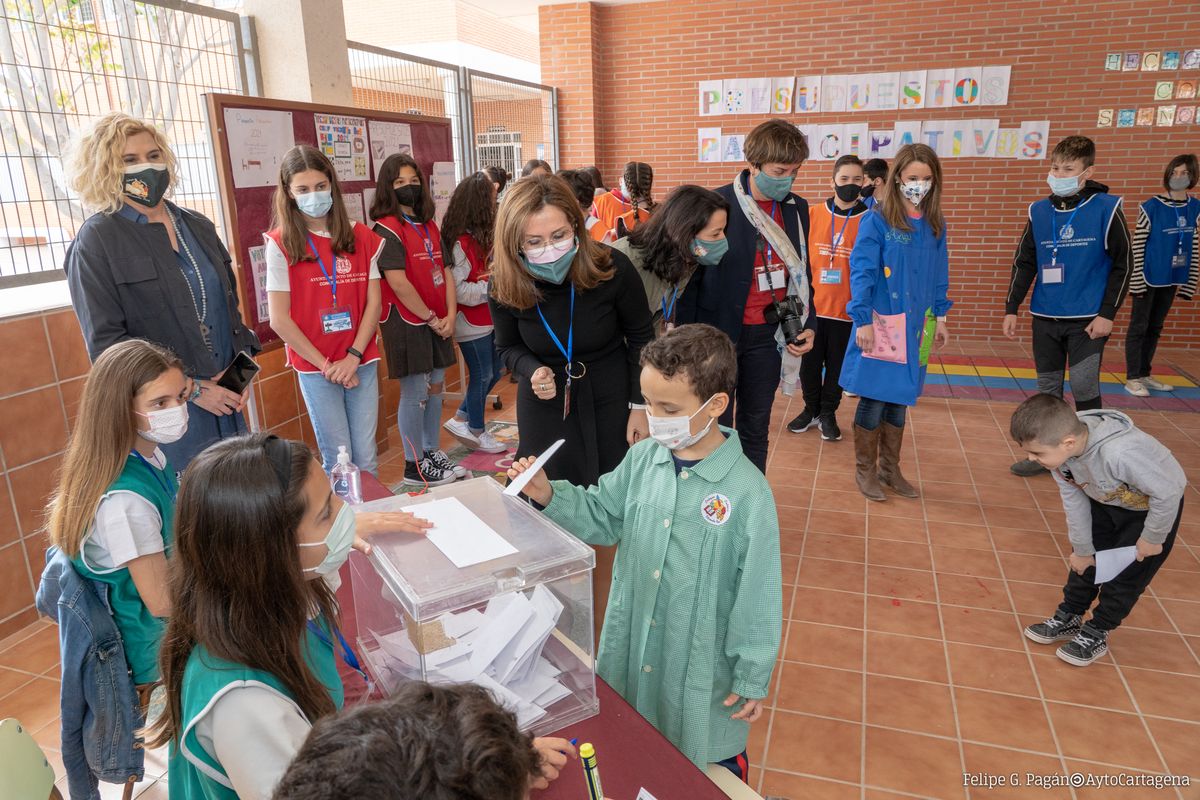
<point x="1054" y="229"/>
<point x="835" y="240"/>
<point x="668" y="310"/>
<point x="570" y="348"/>
<point x="423" y="231"/>
<point x="330" y="275"/>
<point x="1183" y="228"/>
<point x="167" y="484"/>
<point x="347" y="654"/>
<point x="769" y="251"/>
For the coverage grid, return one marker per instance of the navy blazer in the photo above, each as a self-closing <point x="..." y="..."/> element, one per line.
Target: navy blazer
<point x="717" y="295"/>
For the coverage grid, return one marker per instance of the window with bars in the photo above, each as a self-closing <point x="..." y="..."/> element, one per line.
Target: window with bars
<point x="65" y="62"/>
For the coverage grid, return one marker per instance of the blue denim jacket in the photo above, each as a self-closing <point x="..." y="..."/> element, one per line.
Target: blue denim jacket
<point x="100" y="710"/>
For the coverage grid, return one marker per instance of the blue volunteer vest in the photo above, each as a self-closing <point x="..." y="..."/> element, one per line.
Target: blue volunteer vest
<point x="1172" y="233"/>
<point x="1082" y="256"/>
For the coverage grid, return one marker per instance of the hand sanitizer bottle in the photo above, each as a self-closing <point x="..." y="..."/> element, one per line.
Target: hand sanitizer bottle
<point x="345" y="478"/>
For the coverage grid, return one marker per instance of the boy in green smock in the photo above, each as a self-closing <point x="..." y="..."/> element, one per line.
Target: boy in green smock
<point x="694" y="617"/>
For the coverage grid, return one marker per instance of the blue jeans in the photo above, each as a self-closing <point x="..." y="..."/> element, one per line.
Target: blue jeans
<point x="872" y="412"/>
<point x="344" y="417"/>
<point x="483" y="364"/>
<point x="420" y="417"/>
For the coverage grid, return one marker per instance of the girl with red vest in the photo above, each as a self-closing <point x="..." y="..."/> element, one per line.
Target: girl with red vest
<point x="419" y="308"/>
<point x="467" y="234"/>
<point x="324" y="299"/>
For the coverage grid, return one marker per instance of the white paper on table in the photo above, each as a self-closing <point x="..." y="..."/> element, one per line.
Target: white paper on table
<point x="1110" y="563"/>
<point x="514" y="488"/>
<point x="499" y="631"/>
<point x="462" y="537"/>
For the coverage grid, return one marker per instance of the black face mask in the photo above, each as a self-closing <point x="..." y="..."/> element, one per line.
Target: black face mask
<point x="409" y="196"/>
<point x="848" y="192"/>
<point x="867" y="191"/>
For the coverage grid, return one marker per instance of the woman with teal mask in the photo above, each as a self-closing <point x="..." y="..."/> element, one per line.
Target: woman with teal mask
<point x="570" y="320"/>
<point x="765" y="270"/>
<point x="249" y="659"/>
<point x="686" y="233"/>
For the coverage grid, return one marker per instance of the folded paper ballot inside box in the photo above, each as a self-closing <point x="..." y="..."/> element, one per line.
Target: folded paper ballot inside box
<point x="510" y="609"/>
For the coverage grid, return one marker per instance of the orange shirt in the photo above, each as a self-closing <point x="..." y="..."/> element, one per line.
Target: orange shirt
<point x="606" y="208"/>
<point x="831" y="265"/>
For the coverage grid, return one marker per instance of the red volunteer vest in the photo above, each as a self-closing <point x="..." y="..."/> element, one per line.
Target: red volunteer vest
<point x="479" y="315"/>
<point x="312" y="294"/>
<point x="427" y="275"/>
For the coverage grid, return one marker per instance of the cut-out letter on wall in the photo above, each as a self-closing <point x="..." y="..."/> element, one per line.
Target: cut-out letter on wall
<point x="1112" y="61"/>
<point x="995" y="84"/>
<point x="907" y="132"/>
<point x="709" y="141"/>
<point x="1185" y="115"/>
<point x="1104" y="118"/>
<point x="882" y="144"/>
<point x="982" y="138"/>
<point x="1164" y="90"/>
<point x="781" y="95"/>
<point x="711" y="103"/>
<point x="1034" y="136"/>
<point x="912" y="89"/>
<point x="855" y="141"/>
<point x="1008" y="142"/>
<point x="731" y="147"/>
<point x="1151" y="61"/>
<point x="967" y="82"/>
<point x="1165" y="117"/>
<point x="939" y="88"/>
<point x="886" y="90"/>
<point x="1126" y="117"/>
<point x="828" y="142"/>
<point x="833" y="93"/>
<point x="735" y="96"/>
<point x="808" y="94"/>
<point x="859" y="96"/>
<point x="760" y="95"/>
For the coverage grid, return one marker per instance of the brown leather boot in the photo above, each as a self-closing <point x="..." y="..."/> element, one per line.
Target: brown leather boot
<point x="890" y="441"/>
<point x="866" y="457"/>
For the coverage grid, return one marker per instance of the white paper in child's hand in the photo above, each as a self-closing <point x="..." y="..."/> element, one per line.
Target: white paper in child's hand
<point x="518" y="483"/>
<point x="644" y="795"/>
<point x="1111" y="563"/>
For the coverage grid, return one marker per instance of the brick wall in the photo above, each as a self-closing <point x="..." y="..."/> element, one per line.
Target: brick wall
<point x="627" y="89"/>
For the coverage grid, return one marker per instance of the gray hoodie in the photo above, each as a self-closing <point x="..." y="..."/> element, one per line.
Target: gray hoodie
<point x="1121" y="466"/>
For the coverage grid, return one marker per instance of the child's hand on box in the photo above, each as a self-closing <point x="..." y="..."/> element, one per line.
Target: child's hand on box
<point x="1146" y="550"/>
<point x="554" y="753"/>
<point x="370" y="523"/>
<point x="538" y="489"/>
<point x="750" y="712"/>
<point x="1080" y="563"/>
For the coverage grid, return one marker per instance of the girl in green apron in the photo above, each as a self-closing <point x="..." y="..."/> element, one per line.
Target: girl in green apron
<point x="248" y="660"/>
<point x="112" y="511"/>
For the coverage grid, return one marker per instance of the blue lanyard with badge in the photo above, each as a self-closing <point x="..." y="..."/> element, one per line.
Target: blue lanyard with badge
<point x="832" y="274"/>
<point x="669" y="310"/>
<point x="348" y="656"/>
<point x="1054" y="272"/>
<point x="770" y="276"/>
<point x="169" y="486"/>
<point x="423" y="232"/>
<point x="335" y="319"/>
<point x="566" y="351"/>
<point x="1179" y="260"/>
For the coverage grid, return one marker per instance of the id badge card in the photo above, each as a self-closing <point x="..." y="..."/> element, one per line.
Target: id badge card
<point x="1052" y="273"/>
<point x="1178" y="261"/>
<point x="439" y="279"/>
<point x="831" y="276"/>
<point x="771" y="278"/>
<point x="336" y="320"/>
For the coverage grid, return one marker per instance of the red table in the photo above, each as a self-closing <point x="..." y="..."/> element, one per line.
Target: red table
<point x="630" y="752"/>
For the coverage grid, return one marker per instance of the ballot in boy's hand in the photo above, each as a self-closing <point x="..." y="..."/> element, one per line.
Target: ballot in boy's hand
<point x="538" y="489"/>
<point x="369" y="523"/>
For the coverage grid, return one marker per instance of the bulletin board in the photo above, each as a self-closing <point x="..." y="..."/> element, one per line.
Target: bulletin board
<point x="250" y="136"/>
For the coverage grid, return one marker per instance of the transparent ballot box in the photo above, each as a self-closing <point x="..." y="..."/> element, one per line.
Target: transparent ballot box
<point x="496" y="594"/>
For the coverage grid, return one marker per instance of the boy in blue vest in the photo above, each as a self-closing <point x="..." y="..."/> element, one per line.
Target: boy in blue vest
<point x="1076" y="254"/>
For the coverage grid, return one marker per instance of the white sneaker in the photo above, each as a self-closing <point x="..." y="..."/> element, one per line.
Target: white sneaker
<point x="460" y="430"/>
<point x="489" y="444"/>
<point x="1137" y="388"/>
<point x="849" y="394"/>
<point x="1157" y="385"/>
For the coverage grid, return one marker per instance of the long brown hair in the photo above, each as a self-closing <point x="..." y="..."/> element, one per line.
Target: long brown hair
<point x="104" y="434"/>
<point x="891" y="202"/>
<point x="286" y="215"/>
<point x="237" y="586"/>
<point x="472" y="210"/>
<point x="512" y="284"/>
<point x="385" y="203"/>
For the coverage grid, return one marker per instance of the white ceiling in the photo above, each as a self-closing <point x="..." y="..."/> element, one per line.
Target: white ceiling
<point x="524" y="13"/>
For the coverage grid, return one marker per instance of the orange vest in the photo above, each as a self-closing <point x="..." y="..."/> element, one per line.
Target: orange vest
<point x="606" y="208"/>
<point x="830" y="266"/>
<point x="630" y="221"/>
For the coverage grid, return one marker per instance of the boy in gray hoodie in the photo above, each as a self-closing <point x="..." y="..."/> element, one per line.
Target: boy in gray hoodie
<point x="1120" y="488"/>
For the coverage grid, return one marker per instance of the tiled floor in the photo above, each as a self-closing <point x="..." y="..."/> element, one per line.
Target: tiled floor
<point x="903" y="665"/>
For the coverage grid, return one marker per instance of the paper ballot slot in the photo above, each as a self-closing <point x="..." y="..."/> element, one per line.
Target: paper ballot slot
<point x="500" y="597"/>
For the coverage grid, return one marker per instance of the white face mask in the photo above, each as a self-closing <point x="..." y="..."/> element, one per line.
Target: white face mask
<point x="338" y="542"/>
<point x="675" y="433"/>
<point x="624" y="189"/>
<point x="915" y="191"/>
<point x="167" y="425"/>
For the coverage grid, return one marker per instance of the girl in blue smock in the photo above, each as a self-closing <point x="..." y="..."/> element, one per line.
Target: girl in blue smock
<point x="899" y="277"/>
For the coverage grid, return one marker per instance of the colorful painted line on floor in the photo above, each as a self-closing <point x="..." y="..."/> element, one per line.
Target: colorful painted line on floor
<point x="1014" y="379"/>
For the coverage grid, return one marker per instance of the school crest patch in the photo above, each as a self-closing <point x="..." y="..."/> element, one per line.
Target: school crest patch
<point x="716" y="508"/>
<point x="137" y="188"/>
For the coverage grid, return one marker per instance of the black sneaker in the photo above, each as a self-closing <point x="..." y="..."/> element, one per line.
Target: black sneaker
<point x="1088" y="645"/>
<point x="830" y="431"/>
<point x="444" y="463"/>
<point x="1026" y="468"/>
<point x="1062" y="625"/>
<point x="426" y="472"/>
<point x="803" y="422"/>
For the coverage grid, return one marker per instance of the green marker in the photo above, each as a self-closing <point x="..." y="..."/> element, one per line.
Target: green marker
<point x="591" y="774"/>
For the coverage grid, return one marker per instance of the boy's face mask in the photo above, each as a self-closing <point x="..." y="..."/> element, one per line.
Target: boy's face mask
<point x="675" y="433"/>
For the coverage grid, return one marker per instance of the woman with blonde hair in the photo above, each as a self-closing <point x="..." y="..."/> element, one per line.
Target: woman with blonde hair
<point x="570" y="319"/>
<point x="142" y="267"/>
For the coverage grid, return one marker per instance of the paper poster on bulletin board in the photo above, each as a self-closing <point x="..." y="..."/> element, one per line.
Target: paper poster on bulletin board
<point x="246" y="209"/>
<point x="343" y="140"/>
<point x="257" y="141"/>
<point x="388" y="139"/>
<point x="441" y="186"/>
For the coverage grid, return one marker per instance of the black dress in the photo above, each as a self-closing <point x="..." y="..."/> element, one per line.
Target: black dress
<point x="612" y="324"/>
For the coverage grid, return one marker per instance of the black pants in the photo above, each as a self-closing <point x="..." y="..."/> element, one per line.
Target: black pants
<point x="1145" y="327"/>
<point x="1058" y="343"/>
<point x="1113" y="526"/>
<point x="758" y="367"/>
<point x="821" y="367"/>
